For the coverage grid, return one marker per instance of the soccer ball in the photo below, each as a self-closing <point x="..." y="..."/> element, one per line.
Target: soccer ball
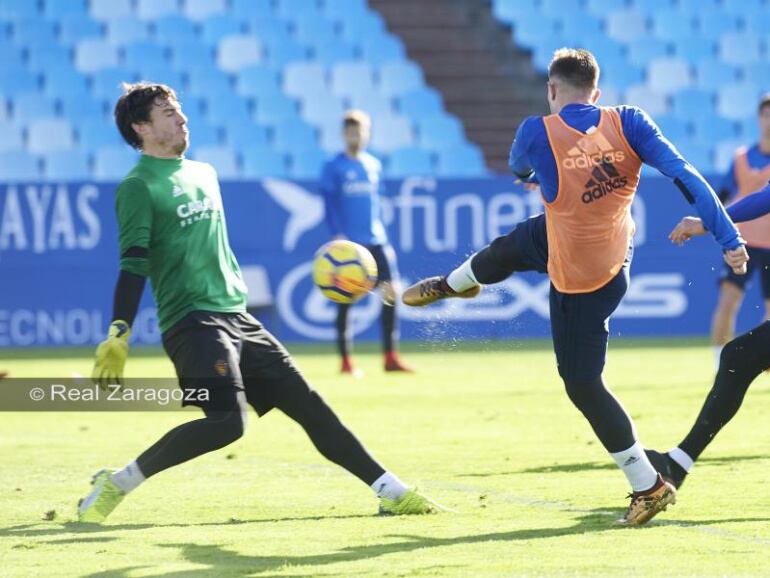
<point x="344" y="271"/>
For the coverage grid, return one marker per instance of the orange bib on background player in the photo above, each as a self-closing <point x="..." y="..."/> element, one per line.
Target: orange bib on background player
<point x="589" y="224"/>
<point x="750" y="180"/>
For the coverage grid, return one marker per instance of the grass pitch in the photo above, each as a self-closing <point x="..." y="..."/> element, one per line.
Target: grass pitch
<point x="486" y="430"/>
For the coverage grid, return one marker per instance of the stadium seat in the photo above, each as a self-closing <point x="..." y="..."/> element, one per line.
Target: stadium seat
<point x="610" y="96"/>
<point x="251" y="9"/>
<point x="370" y="25"/>
<point x="577" y="26"/>
<point x="508" y="10"/>
<point x="712" y="24"/>
<point x="19" y="166"/>
<point x="207" y="80"/>
<point x="222" y="158"/>
<point x="283" y="53"/>
<point x="13" y="136"/>
<point x="114" y="163"/>
<point x="692" y="104"/>
<point x="652" y="102"/>
<point x="304" y="78"/>
<point x="420" y="103"/>
<point x="260" y="162"/>
<point x="110" y="9"/>
<point x="127" y="31"/>
<point x="44" y="57"/>
<point x="373" y="103"/>
<point x="293" y="134"/>
<point x="66" y="166"/>
<point x="311" y="29"/>
<point x="203" y="134"/>
<point x="139" y="54"/>
<point x="460" y="161"/>
<point x="713" y="74"/>
<point x="698" y="155"/>
<point x="712" y="129"/>
<point x="756" y="71"/>
<point x="619" y="74"/>
<point x="331" y="140"/>
<point x="748" y="130"/>
<point x="667" y="75"/>
<point x="273" y="111"/>
<point x="396" y="78"/>
<point x="185" y="56"/>
<point x="306" y="163"/>
<point x="724" y="154"/>
<point x="161" y="72"/>
<point x="202" y="9"/>
<point x="243" y="135"/>
<point x="15" y="10"/>
<point x="745" y="8"/>
<point x="437" y="132"/>
<point x="227" y="107"/>
<point x="699" y="6"/>
<point x="56" y="9"/>
<point x="15" y="81"/>
<point x="410" y="161"/>
<point x="290" y="8"/>
<point x="694" y="49"/>
<point x="331" y="52"/>
<point x="214" y="29"/>
<point x="74" y="28"/>
<point x="257" y="81"/>
<point x="626" y="25"/>
<point x="344" y="10"/>
<point x="391" y="133"/>
<point x="534" y="30"/>
<point x="604" y="7"/>
<point x="740" y="48"/>
<point x="237" y="52"/>
<point x="26" y="107"/>
<point x="348" y="78"/>
<point x="316" y="110"/>
<point x="381" y="49"/>
<point x="758" y="23"/>
<point x="93" y="54"/>
<point x="645" y="49"/>
<point x="738" y="101"/>
<point x="95" y="133"/>
<point x="105" y="84"/>
<point x="154" y="9"/>
<point x="77" y="108"/>
<point x="175" y="30"/>
<point x="674" y="128"/>
<point x="50" y="134"/>
<point x="671" y="24"/>
<point x="64" y="82"/>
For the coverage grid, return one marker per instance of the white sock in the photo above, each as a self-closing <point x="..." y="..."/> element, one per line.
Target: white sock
<point x="128" y="478"/>
<point x="717" y="355"/>
<point x="462" y="278"/>
<point x="389" y="486"/>
<point x="638" y="469"/>
<point x="680" y="457"/>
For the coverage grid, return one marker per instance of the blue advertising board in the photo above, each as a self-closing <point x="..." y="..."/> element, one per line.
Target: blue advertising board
<point x="59" y="262"/>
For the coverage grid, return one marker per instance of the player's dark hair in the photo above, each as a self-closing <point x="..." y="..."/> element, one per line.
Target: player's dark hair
<point x="764" y="102"/>
<point x="575" y="66"/>
<point x="134" y="106"/>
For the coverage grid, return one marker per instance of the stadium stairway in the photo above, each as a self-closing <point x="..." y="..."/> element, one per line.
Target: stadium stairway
<point x="468" y="55"/>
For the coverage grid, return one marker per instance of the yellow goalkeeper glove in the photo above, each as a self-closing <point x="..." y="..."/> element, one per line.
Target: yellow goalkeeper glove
<point x="111" y="355"/>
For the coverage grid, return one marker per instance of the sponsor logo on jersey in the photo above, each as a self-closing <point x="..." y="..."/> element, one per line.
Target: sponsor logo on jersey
<point x="591" y="151"/>
<point x="177" y="191"/>
<point x="603" y="181"/>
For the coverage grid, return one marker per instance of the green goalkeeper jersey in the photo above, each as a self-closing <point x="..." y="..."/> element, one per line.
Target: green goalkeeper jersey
<point x="173" y="208"/>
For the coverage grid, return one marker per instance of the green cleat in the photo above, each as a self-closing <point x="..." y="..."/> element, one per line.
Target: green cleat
<point x="411" y="503"/>
<point x="104" y="498"/>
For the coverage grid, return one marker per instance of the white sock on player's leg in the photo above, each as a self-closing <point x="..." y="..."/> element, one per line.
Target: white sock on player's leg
<point x="389" y="486"/>
<point x="129" y="478"/>
<point x="462" y="278"/>
<point x="717" y="355"/>
<point x="637" y="467"/>
<point x="681" y="457"/>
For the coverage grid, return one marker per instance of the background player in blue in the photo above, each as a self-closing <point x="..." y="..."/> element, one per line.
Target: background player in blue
<point x="350" y="184"/>
<point x="749" y="172"/>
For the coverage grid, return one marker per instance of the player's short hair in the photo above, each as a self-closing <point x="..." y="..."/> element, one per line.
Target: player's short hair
<point x="575" y="66"/>
<point x="135" y="104"/>
<point x="764" y="102"/>
<point x="356" y="117"/>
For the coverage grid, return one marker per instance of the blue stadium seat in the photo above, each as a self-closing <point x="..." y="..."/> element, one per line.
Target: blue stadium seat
<point x="192" y="106"/>
<point x="646" y="98"/>
<point x="577" y="26"/>
<point x="396" y="78"/>
<point x="698" y="155"/>
<point x="93" y="54"/>
<point x="264" y="25"/>
<point x="534" y="30"/>
<point x="243" y="135"/>
<point x="251" y="9"/>
<point x="699" y="6"/>
<point x="160" y="72"/>
<point x="202" y="134"/>
<point x="757" y="72"/>
<point x="28" y="106"/>
<point x="692" y="103"/>
<point x="110" y="9"/>
<point x="619" y="74"/>
<point x="185" y="56"/>
<point x="410" y="161"/>
<point x="310" y="29"/>
<point x="672" y="24"/>
<point x="745" y="8"/>
<point x="15" y="81"/>
<point x="740" y="48"/>
<point x="461" y="160"/>
<point x="652" y="6"/>
<point x="748" y="129"/>
<point x="437" y="132"/>
<point x="674" y="128"/>
<point x="35" y="31"/>
<point x="127" y="31"/>
<point x="759" y="23"/>
<point x="154" y="9"/>
<point x="282" y="53"/>
<point x="13" y="136"/>
<point x="605" y="49"/>
<point x="19" y="166"/>
<point x="294" y="134"/>
<point x="105" y="84"/>
<point x="695" y="48"/>
<point x="18" y="10"/>
<point x="207" y="80"/>
<point x="626" y="25"/>
<point x="227" y="107"/>
<point x="290" y="8"/>
<point x="139" y="54"/>
<point x="304" y="78"/>
<point x="667" y="75"/>
<point x="342" y="10"/>
<point x="642" y="50"/>
<point x="381" y="49"/>
<point x="306" y="163"/>
<point x="355" y="77"/>
<point x="331" y="139"/>
<point x="738" y="101"/>
<point x="712" y="74"/>
<point x="712" y="24"/>
<point x="77" y="108"/>
<point x="66" y="166"/>
<point x="73" y="29"/>
<point x="237" y="52"/>
<point x="332" y="52"/>
<point x="114" y="163"/>
<point x="260" y="162"/>
<point x="391" y="133"/>
<point x="175" y="30"/>
<point x="64" y="82"/>
<point x="50" y="134"/>
<point x="373" y="103"/>
<point x="202" y="9"/>
<point x="319" y="108"/>
<point x="610" y="96"/>
<point x="604" y="7"/>
<point x="218" y="27"/>
<point x="45" y="57"/>
<point x="421" y="103"/>
<point x="56" y="9"/>
<point x="96" y="133"/>
<point x="724" y="154"/>
<point x="370" y="25"/>
<point x="711" y="129"/>
<point x="273" y="111"/>
<point x="256" y="81"/>
<point x="222" y="158"/>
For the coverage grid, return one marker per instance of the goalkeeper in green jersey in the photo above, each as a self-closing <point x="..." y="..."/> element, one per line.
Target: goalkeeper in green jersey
<point x="172" y="230"/>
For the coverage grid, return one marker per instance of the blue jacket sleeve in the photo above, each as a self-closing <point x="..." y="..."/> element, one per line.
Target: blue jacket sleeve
<point x="655" y="150"/>
<point x="751" y="207"/>
<point x="331" y="194"/>
<point x="518" y="160"/>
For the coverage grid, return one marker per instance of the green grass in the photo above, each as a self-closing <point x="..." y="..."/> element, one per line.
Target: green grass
<point x="488" y="432"/>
